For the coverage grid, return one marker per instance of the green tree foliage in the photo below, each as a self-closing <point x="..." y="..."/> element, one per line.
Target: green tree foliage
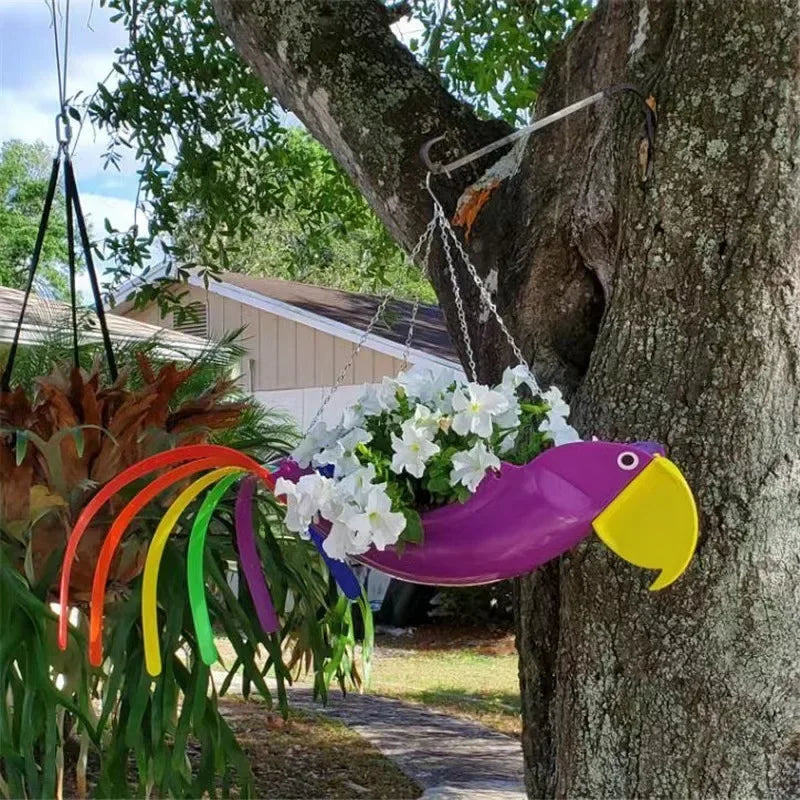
<point x="325" y="233"/>
<point x="139" y="731"/>
<point x="493" y="52"/>
<point x="24" y="175"/>
<point x="227" y="186"/>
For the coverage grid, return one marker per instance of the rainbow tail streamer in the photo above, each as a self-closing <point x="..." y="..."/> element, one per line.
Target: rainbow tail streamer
<point x="342" y="574"/>
<point x="227" y="467"/>
<point x="248" y="557"/>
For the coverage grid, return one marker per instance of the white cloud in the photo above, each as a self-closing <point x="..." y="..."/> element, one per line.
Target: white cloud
<point x="407" y="28"/>
<point x="28" y="84"/>
<point x="120" y="213"/>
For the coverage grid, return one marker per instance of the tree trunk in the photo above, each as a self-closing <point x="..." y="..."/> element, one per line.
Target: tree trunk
<point x="670" y="308"/>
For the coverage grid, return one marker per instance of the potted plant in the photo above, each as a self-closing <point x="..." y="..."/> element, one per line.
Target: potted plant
<point x="65" y="433"/>
<point x="412" y="446"/>
<point x="440" y="481"/>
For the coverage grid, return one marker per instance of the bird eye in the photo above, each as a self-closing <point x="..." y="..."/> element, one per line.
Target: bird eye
<point x="627" y="461"/>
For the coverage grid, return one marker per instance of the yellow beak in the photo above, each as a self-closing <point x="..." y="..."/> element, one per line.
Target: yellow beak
<point x="652" y="523"/>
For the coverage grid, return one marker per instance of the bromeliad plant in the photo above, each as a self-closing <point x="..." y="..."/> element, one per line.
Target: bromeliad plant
<point x="414" y="443"/>
<point x="61" y="437"/>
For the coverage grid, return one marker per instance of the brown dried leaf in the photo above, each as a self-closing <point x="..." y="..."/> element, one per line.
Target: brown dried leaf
<point x="15" y="486"/>
<point x="219" y="419"/>
<point x="122" y="450"/>
<point x="470" y="206"/>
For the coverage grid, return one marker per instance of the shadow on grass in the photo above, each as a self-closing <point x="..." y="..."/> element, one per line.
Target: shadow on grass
<point x="435" y="638"/>
<point x="500" y="702"/>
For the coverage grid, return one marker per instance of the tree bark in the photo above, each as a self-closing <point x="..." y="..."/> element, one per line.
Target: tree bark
<point x="668" y="308"/>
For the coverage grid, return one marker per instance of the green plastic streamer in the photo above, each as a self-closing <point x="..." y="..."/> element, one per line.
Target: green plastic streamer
<point x="194" y="568"/>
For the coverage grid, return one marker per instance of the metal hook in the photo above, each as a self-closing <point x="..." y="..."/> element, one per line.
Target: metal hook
<point x="434" y="168"/>
<point x="63" y="129"/>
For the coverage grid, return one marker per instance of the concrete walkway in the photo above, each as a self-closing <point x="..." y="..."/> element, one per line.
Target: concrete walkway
<point x="448" y="757"/>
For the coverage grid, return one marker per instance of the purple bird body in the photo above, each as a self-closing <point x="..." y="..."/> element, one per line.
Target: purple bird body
<point x="519" y="518"/>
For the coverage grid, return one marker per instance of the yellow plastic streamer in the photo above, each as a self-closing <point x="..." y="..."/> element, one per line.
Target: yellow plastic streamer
<point x="152" y="649"/>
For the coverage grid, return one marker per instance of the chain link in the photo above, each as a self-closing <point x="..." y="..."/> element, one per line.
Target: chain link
<point x="424" y="268"/>
<point x="486" y="296"/>
<point x="346" y="368"/>
<point x="427" y="236"/>
<point x="462" y="317"/>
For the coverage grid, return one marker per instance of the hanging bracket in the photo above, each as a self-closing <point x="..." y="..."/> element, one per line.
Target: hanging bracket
<point x="436" y="168"/>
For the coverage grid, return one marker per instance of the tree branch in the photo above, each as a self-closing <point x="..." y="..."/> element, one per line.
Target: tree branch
<point x="341" y="71"/>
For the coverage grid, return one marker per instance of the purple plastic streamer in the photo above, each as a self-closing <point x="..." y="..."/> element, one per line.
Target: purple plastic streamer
<point x="248" y="557"/>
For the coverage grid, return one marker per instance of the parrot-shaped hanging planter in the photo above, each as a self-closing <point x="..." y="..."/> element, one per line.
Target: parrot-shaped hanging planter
<point x="632" y="496"/>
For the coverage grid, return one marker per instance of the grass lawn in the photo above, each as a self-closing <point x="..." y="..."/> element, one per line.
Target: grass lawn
<point x="467" y="672"/>
<point x="306" y="756"/>
<point x="310" y="756"/>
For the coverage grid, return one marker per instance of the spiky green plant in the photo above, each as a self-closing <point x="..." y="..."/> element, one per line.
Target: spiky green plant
<point x="136" y="729"/>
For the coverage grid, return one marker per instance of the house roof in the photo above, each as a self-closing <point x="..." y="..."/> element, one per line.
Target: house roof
<point x="43" y="317"/>
<point x="355" y="310"/>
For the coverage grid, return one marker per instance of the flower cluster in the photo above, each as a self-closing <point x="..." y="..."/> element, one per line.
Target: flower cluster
<point x="413" y="443"/>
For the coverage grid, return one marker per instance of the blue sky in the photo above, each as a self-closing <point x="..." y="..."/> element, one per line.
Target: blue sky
<point x="29" y="99"/>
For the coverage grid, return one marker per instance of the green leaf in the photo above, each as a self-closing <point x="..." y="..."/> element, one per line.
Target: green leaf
<point x="77" y="435"/>
<point x="20" y="446"/>
<point x="413" y="531"/>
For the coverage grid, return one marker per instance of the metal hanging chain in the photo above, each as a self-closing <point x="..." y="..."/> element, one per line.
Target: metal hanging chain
<point x="346" y="368"/>
<point x="462" y="317"/>
<point x="427" y="234"/>
<point x="427" y="237"/>
<point x="448" y="235"/>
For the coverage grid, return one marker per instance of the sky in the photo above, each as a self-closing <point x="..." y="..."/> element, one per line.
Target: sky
<point x="29" y="96"/>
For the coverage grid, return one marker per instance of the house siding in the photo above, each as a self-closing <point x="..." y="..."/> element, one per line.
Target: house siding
<point x="282" y="356"/>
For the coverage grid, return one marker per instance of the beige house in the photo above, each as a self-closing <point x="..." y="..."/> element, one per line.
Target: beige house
<point x="299" y="337"/>
<point x="46" y="317"/>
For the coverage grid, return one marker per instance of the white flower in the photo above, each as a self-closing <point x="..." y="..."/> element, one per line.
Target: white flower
<point x="558" y="406"/>
<point x="300" y="506"/>
<point x="378" y="522"/>
<point x="354" y="438"/>
<point x="424" y="422"/>
<point x="510" y="417"/>
<point x="367" y="405"/>
<point x="318" y="490"/>
<point x="316" y="439"/>
<point x="556" y="425"/>
<point x="508" y="443"/>
<point x="469" y="467"/>
<point x="412" y="451"/>
<point x="356" y="485"/>
<point x="343" y="539"/>
<point x="474" y="413"/>
<point x="427" y="385"/>
<point x="386" y="394"/>
<point x="519" y="375"/>
<point x="341" y="454"/>
<point x="559" y="430"/>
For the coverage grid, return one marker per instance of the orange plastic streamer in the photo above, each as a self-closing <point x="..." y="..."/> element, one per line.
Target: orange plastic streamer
<point x="152" y="648"/>
<point x="134" y="472"/>
<point x="114" y="537"/>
